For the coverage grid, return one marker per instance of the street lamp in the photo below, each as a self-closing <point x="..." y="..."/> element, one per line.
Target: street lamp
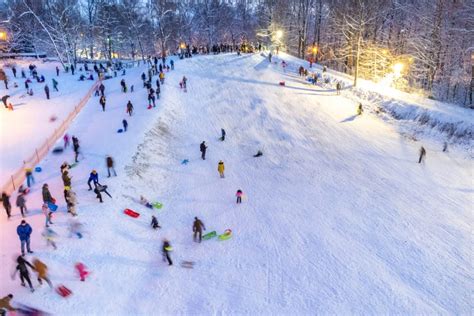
<point x="3" y="35"/>
<point x="279" y="34"/>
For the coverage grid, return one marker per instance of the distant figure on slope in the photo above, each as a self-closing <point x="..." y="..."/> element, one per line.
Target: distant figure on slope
<point x="75" y="147"/>
<point x="422" y="154"/>
<point x="220" y="168"/>
<point x="110" y="165"/>
<point x="145" y="202"/>
<point x="42" y="272"/>
<point x="445" y="147"/>
<point x="154" y="222"/>
<point x="49" y="234"/>
<point x="55" y="84"/>
<point x="198" y="226"/>
<point x="129" y="108"/>
<point x="21" y="203"/>
<point x="81" y="271"/>
<point x="24" y="231"/>
<point x="360" y="110"/>
<point x="203" y="149"/>
<point x="24" y="273"/>
<point x="258" y="154"/>
<point x="125" y="125"/>
<point x="93" y="177"/>
<point x="46" y="91"/>
<point x="166" y="249"/>
<point x="6" y="204"/>
<point x="338" y="88"/>
<point x="162" y="77"/>
<point x="239" y="196"/>
<point x="66" y="140"/>
<point x="223" y="134"/>
<point x="101" y="188"/>
<point x="102" y="102"/>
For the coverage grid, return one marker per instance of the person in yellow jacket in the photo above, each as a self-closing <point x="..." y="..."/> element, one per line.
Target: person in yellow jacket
<point x="162" y="77"/>
<point x="220" y="168"/>
<point x="42" y="271"/>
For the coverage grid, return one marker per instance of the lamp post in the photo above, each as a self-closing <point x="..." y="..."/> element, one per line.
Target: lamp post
<point x="315" y="51"/>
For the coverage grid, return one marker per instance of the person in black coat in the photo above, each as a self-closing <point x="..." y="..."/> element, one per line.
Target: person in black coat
<point x="102" y="102"/>
<point x="6" y="204"/>
<point x="125" y="125"/>
<point x="203" y="149"/>
<point x="46" y="90"/>
<point x="154" y="222"/>
<point x="22" y="267"/>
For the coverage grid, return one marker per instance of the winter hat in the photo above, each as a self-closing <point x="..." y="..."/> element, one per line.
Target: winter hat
<point x="67" y="188"/>
<point x="23" y="222"/>
<point x="93" y="171"/>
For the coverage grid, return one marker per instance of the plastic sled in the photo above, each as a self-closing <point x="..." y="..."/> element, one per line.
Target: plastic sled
<point x="120" y="130"/>
<point x="187" y="264"/>
<point x="53" y="207"/>
<point x="63" y="291"/>
<point x="226" y="235"/>
<point x="58" y="150"/>
<point x="157" y="205"/>
<point x="131" y="213"/>
<point x="209" y="235"/>
<point x="38" y="169"/>
<point x="73" y="165"/>
<point x="281" y="83"/>
<point x="185" y="162"/>
<point x="149" y="107"/>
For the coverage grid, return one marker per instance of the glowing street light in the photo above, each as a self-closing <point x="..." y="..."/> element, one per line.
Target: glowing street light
<point x="398" y="68"/>
<point x="182" y="46"/>
<point x="279" y="34"/>
<point x="3" y="35"/>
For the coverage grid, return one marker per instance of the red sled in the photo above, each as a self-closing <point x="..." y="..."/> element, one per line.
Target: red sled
<point x="131" y="213"/>
<point x="149" y="107"/>
<point x="63" y="291"/>
<point x="282" y="83"/>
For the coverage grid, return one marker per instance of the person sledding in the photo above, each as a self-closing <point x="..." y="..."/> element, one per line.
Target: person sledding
<point x="154" y="222"/>
<point x="221" y="168"/>
<point x="93" y="177"/>
<point x="203" y="149"/>
<point x="22" y="267"/>
<point x="166" y="249"/>
<point x="101" y="188"/>
<point x="49" y="234"/>
<point x="198" y="226"/>
<point x="145" y="202"/>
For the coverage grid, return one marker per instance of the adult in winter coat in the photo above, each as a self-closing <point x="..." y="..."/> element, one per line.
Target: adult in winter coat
<point x="47" y="214"/>
<point x="64" y="167"/>
<point x="203" y="149"/>
<point x="6" y="204"/>
<point x="22" y="267"/>
<point x="66" y="178"/>
<point x="93" y="177"/>
<point x="29" y="177"/>
<point x="223" y="134"/>
<point x="102" y="102"/>
<point x="220" y="168"/>
<point x="110" y="165"/>
<point x="422" y="154"/>
<point x="5" y="304"/>
<point x="129" y="108"/>
<point x="46" y="91"/>
<point x="154" y="222"/>
<point x="55" y="84"/>
<point x="166" y="249"/>
<point x="71" y="200"/>
<point x="24" y="231"/>
<point x="75" y="147"/>
<point x="99" y="189"/>
<point x="359" y="109"/>
<point x="198" y="226"/>
<point x="42" y="272"/>
<point x="162" y="77"/>
<point x="102" y="89"/>
<point x="21" y="203"/>
<point x="125" y="125"/>
<point x="47" y="198"/>
<point x="172" y="64"/>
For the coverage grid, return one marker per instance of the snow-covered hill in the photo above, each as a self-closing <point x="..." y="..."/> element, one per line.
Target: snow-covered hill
<point x="338" y="217"/>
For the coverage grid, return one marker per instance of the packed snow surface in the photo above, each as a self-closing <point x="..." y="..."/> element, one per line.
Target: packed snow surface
<point x="338" y="216"/>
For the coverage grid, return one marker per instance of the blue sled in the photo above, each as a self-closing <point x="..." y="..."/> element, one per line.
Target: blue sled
<point x="185" y="162"/>
<point x="52" y="207"/>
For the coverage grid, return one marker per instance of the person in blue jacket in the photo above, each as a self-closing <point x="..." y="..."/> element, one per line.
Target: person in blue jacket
<point x="24" y="231"/>
<point x="93" y="177"/>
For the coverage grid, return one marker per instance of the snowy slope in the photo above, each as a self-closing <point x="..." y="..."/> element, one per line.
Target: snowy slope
<point x="339" y="217"/>
<point x="29" y="125"/>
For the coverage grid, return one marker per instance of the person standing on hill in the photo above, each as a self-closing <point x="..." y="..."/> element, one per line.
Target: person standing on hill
<point x="166" y="249"/>
<point x="47" y="198"/>
<point x="21" y="203"/>
<point x="110" y="165"/>
<point x="102" y="102"/>
<point x="239" y="195"/>
<point x="129" y="108"/>
<point x="42" y="271"/>
<point x="55" y="85"/>
<point x="125" y="125"/>
<point x="223" y="134"/>
<point x="220" y="168"/>
<point x="198" y="226"/>
<point x="203" y="149"/>
<point x="102" y="89"/>
<point x="93" y="177"/>
<point x="22" y="266"/>
<point x="46" y="91"/>
<point x="422" y="154"/>
<point x="6" y="204"/>
<point x="24" y="231"/>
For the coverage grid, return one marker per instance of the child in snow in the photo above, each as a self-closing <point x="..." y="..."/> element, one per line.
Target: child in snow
<point x="154" y="222"/>
<point x="239" y="196"/>
<point x="82" y="271"/>
<point x="220" y="168"/>
<point x="21" y="203"/>
<point x="24" y="273"/>
<point x="48" y="214"/>
<point x="166" y="249"/>
<point x="145" y="202"/>
<point x="50" y="235"/>
<point x="129" y="108"/>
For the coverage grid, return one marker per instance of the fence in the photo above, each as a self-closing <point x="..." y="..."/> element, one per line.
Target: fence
<point x="19" y="176"/>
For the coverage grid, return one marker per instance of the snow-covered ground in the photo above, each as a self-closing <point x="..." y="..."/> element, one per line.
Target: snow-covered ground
<point x="28" y="126"/>
<point x="339" y="218"/>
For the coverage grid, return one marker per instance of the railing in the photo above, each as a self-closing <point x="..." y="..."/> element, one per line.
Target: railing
<point x="19" y="176"/>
